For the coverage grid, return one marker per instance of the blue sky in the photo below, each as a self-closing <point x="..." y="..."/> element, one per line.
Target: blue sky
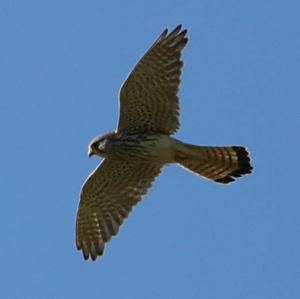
<point x="61" y="67"/>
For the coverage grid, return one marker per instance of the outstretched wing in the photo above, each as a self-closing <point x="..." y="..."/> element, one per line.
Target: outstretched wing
<point x="148" y="98"/>
<point x="106" y="198"/>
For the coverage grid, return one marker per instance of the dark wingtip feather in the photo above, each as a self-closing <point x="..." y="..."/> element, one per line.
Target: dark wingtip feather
<point x="176" y="30"/>
<point x="176" y="39"/>
<point x="85" y="255"/>
<point x="94" y="257"/>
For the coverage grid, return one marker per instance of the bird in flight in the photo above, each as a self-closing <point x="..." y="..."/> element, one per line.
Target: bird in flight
<point x="142" y="144"/>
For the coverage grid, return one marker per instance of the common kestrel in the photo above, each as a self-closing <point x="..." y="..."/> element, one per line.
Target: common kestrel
<point x="142" y="144"/>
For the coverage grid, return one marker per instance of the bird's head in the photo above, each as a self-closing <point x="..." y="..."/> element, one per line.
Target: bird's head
<point x="101" y="145"/>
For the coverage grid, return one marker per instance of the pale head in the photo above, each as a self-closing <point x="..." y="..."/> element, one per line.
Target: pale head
<point x="101" y="145"/>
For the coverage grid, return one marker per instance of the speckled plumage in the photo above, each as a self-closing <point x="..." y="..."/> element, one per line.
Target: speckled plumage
<point x="108" y="195"/>
<point x="142" y="144"/>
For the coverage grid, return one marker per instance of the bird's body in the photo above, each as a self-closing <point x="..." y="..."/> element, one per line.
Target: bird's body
<point x="142" y="144"/>
<point x="157" y="148"/>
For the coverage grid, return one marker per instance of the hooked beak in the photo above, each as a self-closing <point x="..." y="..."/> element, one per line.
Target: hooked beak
<point x="90" y="152"/>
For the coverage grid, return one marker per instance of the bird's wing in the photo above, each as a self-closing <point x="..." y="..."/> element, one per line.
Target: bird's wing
<point x="148" y="98"/>
<point x="106" y="198"/>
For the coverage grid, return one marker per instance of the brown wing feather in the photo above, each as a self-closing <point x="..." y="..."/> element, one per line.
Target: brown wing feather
<point x="148" y="98"/>
<point x="106" y="198"/>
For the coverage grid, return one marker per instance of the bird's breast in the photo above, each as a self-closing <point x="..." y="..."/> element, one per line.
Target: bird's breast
<point x="148" y="147"/>
<point x="162" y="148"/>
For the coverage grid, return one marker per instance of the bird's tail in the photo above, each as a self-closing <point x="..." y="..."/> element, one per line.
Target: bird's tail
<point x="221" y="164"/>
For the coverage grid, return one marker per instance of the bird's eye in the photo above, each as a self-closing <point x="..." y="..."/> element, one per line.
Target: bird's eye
<point x="101" y="145"/>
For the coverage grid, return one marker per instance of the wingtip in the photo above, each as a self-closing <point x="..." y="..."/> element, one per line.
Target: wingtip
<point x="174" y="31"/>
<point x="94" y="257"/>
<point x="178" y="27"/>
<point x="163" y="34"/>
<point x="93" y="250"/>
<point x="178" y="30"/>
<point x="85" y="255"/>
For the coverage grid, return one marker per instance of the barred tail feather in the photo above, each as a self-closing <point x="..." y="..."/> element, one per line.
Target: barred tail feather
<point x="221" y="164"/>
